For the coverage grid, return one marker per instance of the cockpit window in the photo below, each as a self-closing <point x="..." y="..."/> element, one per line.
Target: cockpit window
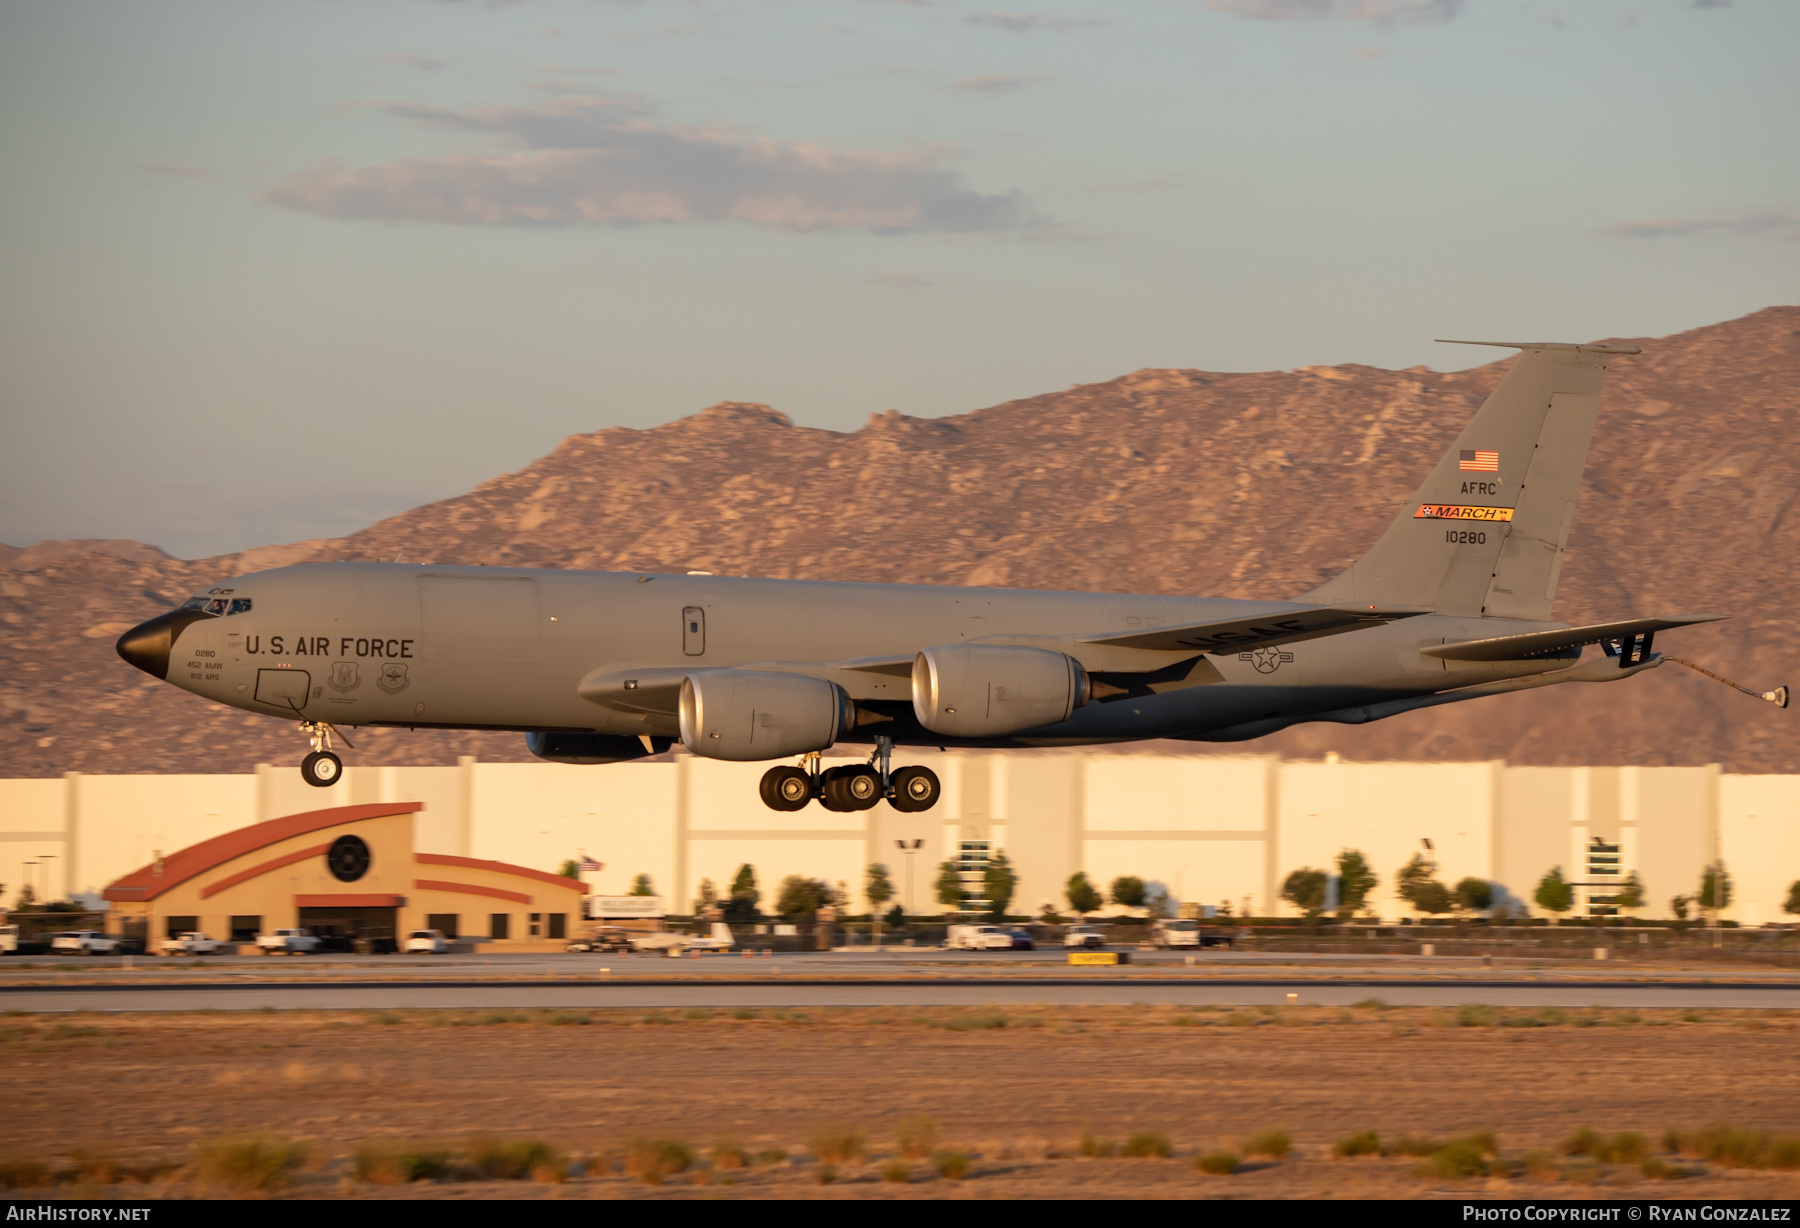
<point x="196" y="603"/>
<point x="218" y="605"/>
<point x="239" y="605"/>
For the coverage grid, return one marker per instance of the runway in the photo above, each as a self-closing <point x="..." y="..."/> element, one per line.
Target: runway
<point x="777" y="992"/>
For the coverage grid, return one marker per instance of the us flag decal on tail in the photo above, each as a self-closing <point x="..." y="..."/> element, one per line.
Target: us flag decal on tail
<point x="1475" y="461"/>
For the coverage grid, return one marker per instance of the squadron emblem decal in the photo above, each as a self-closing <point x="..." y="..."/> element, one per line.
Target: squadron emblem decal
<point x="344" y="677"/>
<point x="393" y="678"/>
<point x="1267" y="660"/>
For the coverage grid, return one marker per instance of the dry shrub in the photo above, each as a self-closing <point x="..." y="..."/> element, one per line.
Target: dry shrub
<point x="1362" y="1143"/>
<point x="1216" y="1163"/>
<point x="729" y="1153"/>
<point x="951" y="1165"/>
<point x="1731" y="1147"/>
<point x="515" y="1159"/>
<point x="771" y="1155"/>
<point x="19" y="1174"/>
<point x="249" y="1164"/>
<point x="386" y="1162"/>
<point x="1092" y="1146"/>
<point x="652" y="1159"/>
<point x="917" y="1135"/>
<point x="1455" y="1159"/>
<point x="838" y="1143"/>
<point x="1272" y="1143"/>
<point x="1475" y="1015"/>
<point x="1145" y="1144"/>
<point x="99" y="1167"/>
<point x="896" y="1172"/>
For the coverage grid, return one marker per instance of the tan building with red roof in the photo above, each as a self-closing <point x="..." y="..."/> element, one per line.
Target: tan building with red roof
<point x="349" y="872"/>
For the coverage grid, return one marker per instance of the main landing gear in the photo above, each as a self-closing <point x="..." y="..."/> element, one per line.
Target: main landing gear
<point x="853" y="786"/>
<point x="322" y="768"/>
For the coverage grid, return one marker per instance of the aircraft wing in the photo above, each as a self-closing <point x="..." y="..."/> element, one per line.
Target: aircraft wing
<point x="1287" y="626"/>
<point x="1542" y="643"/>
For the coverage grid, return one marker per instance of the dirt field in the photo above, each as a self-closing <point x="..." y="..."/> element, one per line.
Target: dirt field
<point x="1015" y="1092"/>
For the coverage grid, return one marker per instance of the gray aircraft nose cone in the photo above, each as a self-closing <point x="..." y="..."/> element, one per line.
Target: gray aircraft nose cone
<point x="147" y="645"/>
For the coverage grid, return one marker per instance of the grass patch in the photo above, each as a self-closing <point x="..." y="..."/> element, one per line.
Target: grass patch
<point x="651" y="1160"/>
<point x="251" y="1164"/>
<point x="1216" y="1163"/>
<point x="728" y="1153"/>
<point x="771" y="1156"/>
<point x="1238" y="1019"/>
<point x="970" y="1023"/>
<point x="387" y="1162"/>
<point x="1626" y="1147"/>
<point x="1731" y="1147"/>
<point x="516" y="1159"/>
<point x="1183" y="1021"/>
<point x="744" y="1013"/>
<point x="1370" y="1004"/>
<point x="1476" y="1015"/>
<point x="1147" y="1144"/>
<point x="838" y="1143"/>
<point x="917" y="1135"/>
<point x="1362" y="1143"/>
<point x="564" y="1019"/>
<point x="1092" y="1145"/>
<point x="23" y="1174"/>
<point x="951" y="1165"/>
<point x="1272" y="1143"/>
<point x="896" y="1172"/>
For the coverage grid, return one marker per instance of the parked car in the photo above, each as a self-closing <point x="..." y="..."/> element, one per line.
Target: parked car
<point x="1023" y="941"/>
<point x="1173" y="934"/>
<point x="1085" y="937"/>
<point x="676" y="945"/>
<point x="84" y="942"/>
<point x="426" y="942"/>
<point x="978" y="938"/>
<point x="287" y="942"/>
<point x="191" y="943"/>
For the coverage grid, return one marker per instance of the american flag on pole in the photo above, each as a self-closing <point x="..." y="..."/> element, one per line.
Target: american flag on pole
<point x="1477" y="461"/>
<point x="588" y="863"/>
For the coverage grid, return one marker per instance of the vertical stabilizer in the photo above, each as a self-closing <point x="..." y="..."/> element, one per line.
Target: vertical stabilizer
<point x="1485" y="534"/>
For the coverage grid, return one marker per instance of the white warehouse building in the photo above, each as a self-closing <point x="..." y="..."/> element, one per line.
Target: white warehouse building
<point x="1208" y="828"/>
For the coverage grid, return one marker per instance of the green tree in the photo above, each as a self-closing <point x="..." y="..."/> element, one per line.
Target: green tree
<point x="1128" y="891"/>
<point x="1474" y="895"/>
<point x="1793" y="901"/>
<point x="744" y="897"/>
<point x="27" y="897"/>
<point x="1553" y="892"/>
<point x="708" y="897"/>
<point x="570" y="868"/>
<point x="641" y="885"/>
<point x="1356" y="879"/>
<point x="1421" y="869"/>
<point x="1679" y="905"/>
<point x="949" y="885"/>
<point x="1715" y="887"/>
<point x="802" y="897"/>
<point x="1305" y="890"/>
<point x="1631" y="892"/>
<point x="1433" y="898"/>
<point x="999" y="882"/>
<point x="878" y="886"/>
<point x="1082" y="895"/>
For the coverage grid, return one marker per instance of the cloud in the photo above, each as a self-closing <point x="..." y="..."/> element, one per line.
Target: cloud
<point x="1027" y="23"/>
<point x="1781" y="223"/>
<point x="999" y="84"/>
<point x="173" y="170"/>
<point x="1376" y="12"/>
<point x="599" y="162"/>
<point x="424" y="63"/>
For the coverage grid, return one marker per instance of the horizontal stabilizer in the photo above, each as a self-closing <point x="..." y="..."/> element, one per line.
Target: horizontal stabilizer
<point x="1286" y="626"/>
<point x="1544" y="643"/>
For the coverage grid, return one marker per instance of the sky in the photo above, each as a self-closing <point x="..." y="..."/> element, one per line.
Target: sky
<point x="273" y="269"/>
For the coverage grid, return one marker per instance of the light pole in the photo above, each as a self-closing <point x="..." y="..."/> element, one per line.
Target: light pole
<point x="909" y="847"/>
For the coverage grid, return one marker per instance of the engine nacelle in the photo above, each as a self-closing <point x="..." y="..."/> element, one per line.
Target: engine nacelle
<point x="591" y="747"/>
<point x="744" y="715"/>
<point x="989" y="690"/>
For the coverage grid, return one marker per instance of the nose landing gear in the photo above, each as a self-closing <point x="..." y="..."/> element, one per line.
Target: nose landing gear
<point x="851" y="787"/>
<point x="322" y="768"/>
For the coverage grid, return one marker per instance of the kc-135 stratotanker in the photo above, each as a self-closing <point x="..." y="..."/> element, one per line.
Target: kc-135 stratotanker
<point x="1452" y="603"/>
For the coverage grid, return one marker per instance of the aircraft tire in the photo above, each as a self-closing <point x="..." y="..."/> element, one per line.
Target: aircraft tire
<point x="851" y="788"/>
<point x="321" y="769"/>
<point x="915" y="789"/>
<point x="785" y="788"/>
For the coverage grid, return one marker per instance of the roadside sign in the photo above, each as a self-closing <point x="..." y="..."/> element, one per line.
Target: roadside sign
<point x="1105" y="959"/>
<point x="620" y="907"/>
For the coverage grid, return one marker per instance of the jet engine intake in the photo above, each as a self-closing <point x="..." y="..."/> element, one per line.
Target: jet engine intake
<point x="989" y="690"/>
<point x="744" y="714"/>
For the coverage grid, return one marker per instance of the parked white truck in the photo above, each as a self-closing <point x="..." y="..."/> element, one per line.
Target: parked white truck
<point x="978" y="938"/>
<point x="676" y="945"/>
<point x="84" y="942"/>
<point x="191" y="943"/>
<point x="287" y="942"/>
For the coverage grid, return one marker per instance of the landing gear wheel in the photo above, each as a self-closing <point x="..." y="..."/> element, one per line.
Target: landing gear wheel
<point x="786" y="788"/>
<point x="321" y="769"/>
<point x="851" y="788"/>
<point x="915" y="789"/>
